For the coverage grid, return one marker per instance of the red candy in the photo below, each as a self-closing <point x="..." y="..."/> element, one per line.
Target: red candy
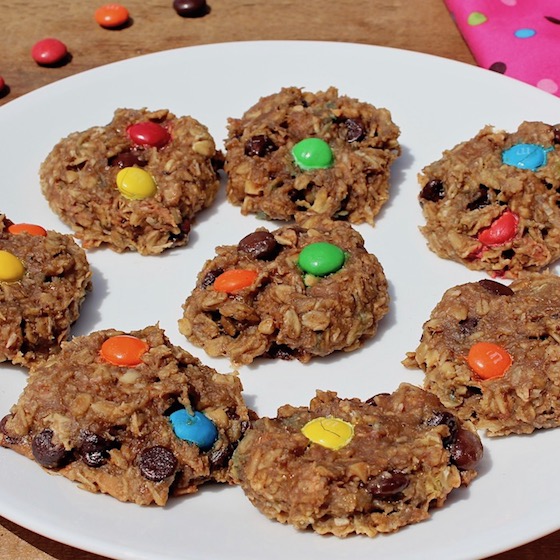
<point x="111" y="16"/>
<point x="148" y="134"/>
<point x="30" y="229"/>
<point x="501" y="230"/>
<point x="2" y="84"/>
<point x="49" y="51"/>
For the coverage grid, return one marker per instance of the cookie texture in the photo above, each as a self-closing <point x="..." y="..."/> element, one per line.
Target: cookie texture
<point x="109" y="427"/>
<point x="285" y="311"/>
<point x="264" y="178"/>
<point x="407" y="453"/>
<point x="38" y="309"/>
<point x="492" y="203"/>
<point x="462" y="353"/>
<point x="175" y="155"/>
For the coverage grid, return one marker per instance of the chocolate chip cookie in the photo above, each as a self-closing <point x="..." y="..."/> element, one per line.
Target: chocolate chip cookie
<point x="134" y="184"/>
<point x="129" y="415"/>
<point x="297" y="151"/>
<point x="44" y="278"/>
<point x="299" y="292"/>
<point x="344" y="466"/>
<point x="492" y="203"/>
<point x="491" y="353"/>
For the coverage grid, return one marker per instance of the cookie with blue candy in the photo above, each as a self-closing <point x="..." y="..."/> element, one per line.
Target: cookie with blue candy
<point x="492" y="202"/>
<point x="129" y="415"/>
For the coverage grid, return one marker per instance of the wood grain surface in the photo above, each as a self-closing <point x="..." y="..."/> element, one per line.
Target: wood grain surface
<point x="424" y="26"/>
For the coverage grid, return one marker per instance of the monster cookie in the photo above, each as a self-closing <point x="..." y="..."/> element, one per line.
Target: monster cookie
<point x="345" y="466"/>
<point x="296" y="151"/>
<point x="493" y="202"/>
<point x="491" y="353"/>
<point x="44" y="278"/>
<point x="135" y="184"/>
<point x="129" y="415"/>
<point x="296" y="292"/>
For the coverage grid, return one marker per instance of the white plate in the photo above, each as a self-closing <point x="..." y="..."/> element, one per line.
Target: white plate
<point x="437" y="103"/>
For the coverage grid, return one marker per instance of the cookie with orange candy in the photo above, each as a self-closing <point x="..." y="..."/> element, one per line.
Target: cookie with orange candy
<point x="44" y="279"/>
<point x="343" y="466"/>
<point x="129" y="415"/>
<point x="491" y="353"/>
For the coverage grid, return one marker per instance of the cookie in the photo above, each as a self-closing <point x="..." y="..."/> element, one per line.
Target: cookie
<point x="344" y="466"/>
<point x="134" y="184"/>
<point x="44" y="278"/>
<point x="490" y="352"/>
<point x="297" y="151"/>
<point x="299" y="291"/>
<point x="492" y="203"/>
<point x="129" y="415"/>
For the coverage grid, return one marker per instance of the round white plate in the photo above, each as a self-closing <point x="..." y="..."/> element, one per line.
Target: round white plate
<point x="437" y="103"/>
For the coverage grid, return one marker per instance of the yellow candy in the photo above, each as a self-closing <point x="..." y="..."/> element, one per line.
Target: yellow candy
<point x="135" y="183"/>
<point x="332" y="433"/>
<point x="11" y="268"/>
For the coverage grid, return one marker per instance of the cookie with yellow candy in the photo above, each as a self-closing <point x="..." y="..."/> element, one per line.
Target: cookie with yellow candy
<point x="136" y="183"/>
<point x="44" y="278"/>
<point x="343" y="466"/>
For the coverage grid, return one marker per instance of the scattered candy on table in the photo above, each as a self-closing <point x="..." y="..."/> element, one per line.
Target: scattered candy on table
<point x="195" y="428"/>
<point x="332" y="433"/>
<point x="11" y="268"/>
<point x="30" y="229"/>
<point x="148" y="134"/>
<point x="135" y="183"/>
<point x="190" y="8"/>
<point x="234" y="280"/>
<point x="526" y="156"/>
<point x="124" y="350"/>
<point x="112" y="16"/>
<point x="321" y="258"/>
<point x="49" y="52"/>
<point x="488" y="360"/>
<point x="312" y="153"/>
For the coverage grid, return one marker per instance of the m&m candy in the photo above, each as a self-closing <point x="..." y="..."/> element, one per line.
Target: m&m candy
<point x="321" y="258"/>
<point x="488" y="360"/>
<point x="525" y="156"/>
<point x="501" y="230"/>
<point x="30" y="229"/>
<point x="195" y="428"/>
<point x="148" y="134"/>
<point x="135" y="183"/>
<point x="124" y="350"/>
<point x="112" y="16"/>
<point x="312" y="153"/>
<point x="11" y="268"/>
<point x="234" y="280"/>
<point x="49" y="52"/>
<point x="332" y="433"/>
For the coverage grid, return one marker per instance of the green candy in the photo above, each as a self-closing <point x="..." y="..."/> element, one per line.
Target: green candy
<point x="312" y="153"/>
<point x="321" y="258"/>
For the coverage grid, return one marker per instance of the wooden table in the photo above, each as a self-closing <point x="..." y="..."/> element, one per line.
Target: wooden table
<point x="419" y="26"/>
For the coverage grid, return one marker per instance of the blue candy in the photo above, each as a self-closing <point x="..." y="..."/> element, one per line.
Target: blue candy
<point x="525" y="156"/>
<point x="197" y="428"/>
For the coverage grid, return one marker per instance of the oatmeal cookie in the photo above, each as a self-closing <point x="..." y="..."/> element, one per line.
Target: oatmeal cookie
<point x="129" y="415"/>
<point x="491" y="353"/>
<point x="344" y="466"/>
<point x="492" y="203"/>
<point x="297" y="151"/>
<point x="134" y="184"/>
<point x="44" y="278"/>
<point x="297" y="292"/>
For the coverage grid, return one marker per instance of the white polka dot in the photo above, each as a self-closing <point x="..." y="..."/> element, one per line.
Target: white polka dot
<point x="548" y="85"/>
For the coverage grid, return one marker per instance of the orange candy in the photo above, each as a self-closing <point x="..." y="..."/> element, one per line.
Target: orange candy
<point x="111" y="15"/>
<point x="31" y="229"/>
<point x="233" y="280"/>
<point x="488" y="360"/>
<point x="123" y="350"/>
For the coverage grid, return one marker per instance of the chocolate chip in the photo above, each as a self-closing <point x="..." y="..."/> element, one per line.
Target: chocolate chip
<point x="259" y="245"/>
<point x="185" y="228"/>
<point x="126" y="159"/>
<point x="387" y="484"/>
<point x="157" y="463"/>
<point x="210" y="277"/>
<point x="9" y="439"/>
<point x="373" y="400"/>
<point x="468" y="325"/>
<point x="556" y="138"/>
<point x="219" y="457"/>
<point x="433" y="191"/>
<point x="496" y="288"/>
<point x="259" y="146"/>
<point x="445" y="418"/>
<point x="481" y="200"/>
<point x="355" y="130"/>
<point x="499" y="67"/>
<point x="190" y="8"/>
<point x="466" y="451"/>
<point x="280" y="352"/>
<point x="93" y="449"/>
<point x="46" y="452"/>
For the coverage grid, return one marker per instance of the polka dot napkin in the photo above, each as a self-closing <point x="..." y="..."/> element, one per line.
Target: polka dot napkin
<point x="518" y="38"/>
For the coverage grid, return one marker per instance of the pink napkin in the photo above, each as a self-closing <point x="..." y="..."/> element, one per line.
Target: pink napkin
<point x="518" y="38"/>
